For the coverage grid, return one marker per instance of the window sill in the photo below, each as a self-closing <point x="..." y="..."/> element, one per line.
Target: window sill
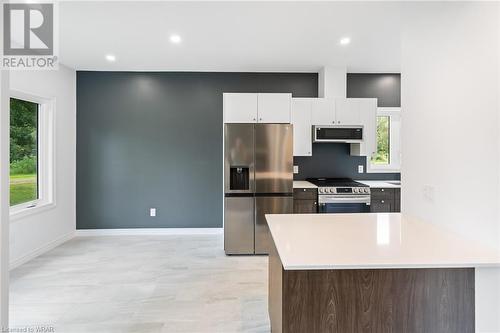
<point x="18" y="214"/>
<point x="382" y="170"/>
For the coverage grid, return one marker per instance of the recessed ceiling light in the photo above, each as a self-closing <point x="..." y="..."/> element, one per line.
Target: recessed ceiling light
<point x="345" y="41"/>
<point x="110" y="57"/>
<point x="176" y="39"/>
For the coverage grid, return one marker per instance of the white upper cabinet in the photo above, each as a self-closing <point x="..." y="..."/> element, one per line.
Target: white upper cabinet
<point x="257" y="108"/>
<point x="240" y="108"/>
<point x="322" y="111"/>
<point x="368" y="118"/>
<point x="348" y="111"/>
<point x="302" y="131"/>
<point x="274" y="108"/>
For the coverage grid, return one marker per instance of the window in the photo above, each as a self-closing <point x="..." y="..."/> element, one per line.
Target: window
<point x="387" y="156"/>
<point x="383" y="154"/>
<point x="23" y="151"/>
<point x="30" y="153"/>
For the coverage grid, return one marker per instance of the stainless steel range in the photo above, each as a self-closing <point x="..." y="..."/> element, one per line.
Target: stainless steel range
<point x="342" y="195"/>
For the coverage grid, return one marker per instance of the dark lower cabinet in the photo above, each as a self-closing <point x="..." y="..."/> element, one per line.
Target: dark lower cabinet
<point x="381" y="206"/>
<point x="385" y="200"/>
<point x="305" y="200"/>
<point x="397" y="200"/>
<point x="305" y="206"/>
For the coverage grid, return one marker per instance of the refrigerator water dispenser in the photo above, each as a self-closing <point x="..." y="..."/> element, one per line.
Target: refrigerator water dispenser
<point x="239" y="178"/>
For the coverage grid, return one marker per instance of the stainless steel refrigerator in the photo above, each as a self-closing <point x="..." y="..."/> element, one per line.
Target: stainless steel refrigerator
<point x="258" y="180"/>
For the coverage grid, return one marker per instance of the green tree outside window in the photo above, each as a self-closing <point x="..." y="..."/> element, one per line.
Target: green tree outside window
<point x="382" y="155"/>
<point x="23" y="151"/>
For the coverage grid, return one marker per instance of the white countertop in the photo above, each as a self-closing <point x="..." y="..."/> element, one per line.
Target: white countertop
<point x="379" y="183"/>
<point x="303" y="184"/>
<point x="371" y="240"/>
<point x="371" y="183"/>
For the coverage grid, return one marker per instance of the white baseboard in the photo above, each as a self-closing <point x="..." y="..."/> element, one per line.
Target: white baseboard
<point x="149" y="231"/>
<point x="41" y="250"/>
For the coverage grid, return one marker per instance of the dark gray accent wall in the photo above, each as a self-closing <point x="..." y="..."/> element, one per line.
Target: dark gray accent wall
<point x="334" y="160"/>
<point x="385" y="87"/>
<point x="155" y="140"/>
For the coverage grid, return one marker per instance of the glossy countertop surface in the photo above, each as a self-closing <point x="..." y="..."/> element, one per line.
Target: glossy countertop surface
<point x="381" y="183"/>
<point x="371" y="183"/>
<point x="303" y="184"/>
<point x="371" y="240"/>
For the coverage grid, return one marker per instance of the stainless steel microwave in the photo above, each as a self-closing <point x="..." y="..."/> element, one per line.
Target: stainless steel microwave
<point x="338" y="133"/>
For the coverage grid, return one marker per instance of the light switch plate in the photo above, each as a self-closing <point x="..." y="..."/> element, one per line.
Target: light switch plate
<point x="361" y="169"/>
<point x="295" y="169"/>
<point x="152" y="212"/>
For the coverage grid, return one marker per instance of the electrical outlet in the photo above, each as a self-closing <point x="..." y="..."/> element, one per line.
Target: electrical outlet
<point x="295" y="169"/>
<point x="428" y="191"/>
<point x="361" y="169"/>
<point x="152" y="212"/>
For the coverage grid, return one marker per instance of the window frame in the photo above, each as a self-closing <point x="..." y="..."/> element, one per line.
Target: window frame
<point x="45" y="157"/>
<point x="394" y="114"/>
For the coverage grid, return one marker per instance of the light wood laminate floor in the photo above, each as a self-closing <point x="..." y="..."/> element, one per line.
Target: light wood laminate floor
<point x="141" y="284"/>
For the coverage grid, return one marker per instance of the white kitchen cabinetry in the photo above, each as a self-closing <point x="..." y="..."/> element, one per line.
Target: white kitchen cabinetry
<point x="367" y="108"/>
<point x="240" y="108"/>
<point x="322" y="111"/>
<point x="274" y="108"/>
<point x="301" y="120"/>
<point x="256" y="108"/>
<point x="348" y="111"/>
<point x="340" y="112"/>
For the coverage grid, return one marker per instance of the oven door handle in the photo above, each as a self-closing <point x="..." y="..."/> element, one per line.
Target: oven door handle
<point x="344" y="199"/>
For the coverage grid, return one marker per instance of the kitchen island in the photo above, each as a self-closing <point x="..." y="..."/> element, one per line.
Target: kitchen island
<point x="370" y="273"/>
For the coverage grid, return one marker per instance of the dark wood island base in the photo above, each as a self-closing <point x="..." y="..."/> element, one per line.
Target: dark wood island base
<point x="431" y="300"/>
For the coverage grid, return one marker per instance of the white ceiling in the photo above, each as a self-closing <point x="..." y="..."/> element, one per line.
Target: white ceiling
<point x="230" y="36"/>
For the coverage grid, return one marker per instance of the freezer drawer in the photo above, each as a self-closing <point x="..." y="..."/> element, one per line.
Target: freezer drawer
<point x="268" y="205"/>
<point x="239" y="225"/>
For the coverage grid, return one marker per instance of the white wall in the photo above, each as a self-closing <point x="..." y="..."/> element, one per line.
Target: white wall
<point x="4" y="192"/>
<point x="450" y="135"/>
<point x="4" y="195"/>
<point x="332" y="82"/>
<point x="33" y="234"/>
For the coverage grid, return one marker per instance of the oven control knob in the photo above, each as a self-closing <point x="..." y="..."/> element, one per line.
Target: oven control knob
<point x="355" y="190"/>
<point x="332" y="190"/>
<point x="321" y="190"/>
